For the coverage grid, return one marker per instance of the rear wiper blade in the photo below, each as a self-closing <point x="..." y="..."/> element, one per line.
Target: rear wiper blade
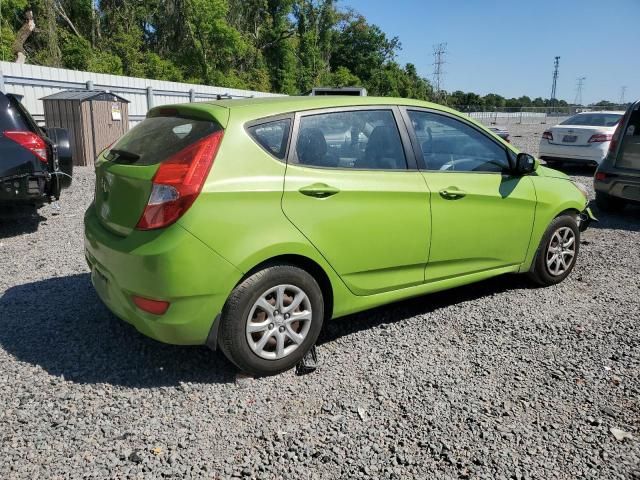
<point x="125" y="154"/>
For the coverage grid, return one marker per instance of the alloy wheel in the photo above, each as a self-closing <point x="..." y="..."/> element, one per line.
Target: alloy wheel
<point x="561" y="251"/>
<point x="279" y="322"/>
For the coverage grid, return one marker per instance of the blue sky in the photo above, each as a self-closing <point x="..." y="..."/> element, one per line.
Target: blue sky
<point x="507" y="46"/>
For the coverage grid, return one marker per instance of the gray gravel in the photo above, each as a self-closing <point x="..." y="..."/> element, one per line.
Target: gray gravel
<point x="493" y="381"/>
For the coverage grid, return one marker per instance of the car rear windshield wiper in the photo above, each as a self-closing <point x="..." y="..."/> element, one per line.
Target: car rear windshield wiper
<point x="124" y="154"/>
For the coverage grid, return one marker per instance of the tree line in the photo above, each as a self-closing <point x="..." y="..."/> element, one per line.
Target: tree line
<point x="283" y="46"/>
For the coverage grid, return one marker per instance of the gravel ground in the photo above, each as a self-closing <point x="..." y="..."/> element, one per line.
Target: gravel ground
<point x="497" y="380"/>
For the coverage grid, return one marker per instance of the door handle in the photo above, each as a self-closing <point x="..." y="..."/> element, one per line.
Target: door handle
<point x="452" y="193"/>
<point x="319" y="190"/>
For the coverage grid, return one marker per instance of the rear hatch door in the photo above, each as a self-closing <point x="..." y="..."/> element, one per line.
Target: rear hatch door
<point x="629" y="152"/>
<point x="125" y="171"/>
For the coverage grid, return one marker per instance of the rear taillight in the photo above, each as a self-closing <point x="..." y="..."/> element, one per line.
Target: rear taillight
<point x="600" y="137"/>
<point x="31" y="142"/>
<point x="601" y="176"/>
<point x="178" y="182"/>
<point x="547" y="135"/>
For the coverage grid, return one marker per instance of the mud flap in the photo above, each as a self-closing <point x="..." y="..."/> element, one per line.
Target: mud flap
<point x="309" y="362"/>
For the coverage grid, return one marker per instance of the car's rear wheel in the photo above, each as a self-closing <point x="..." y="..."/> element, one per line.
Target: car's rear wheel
<point x="607" y="203"/>
<point x="558" y="251"/>
<point x="271" y="320"/>
<point x="552" y="163"/>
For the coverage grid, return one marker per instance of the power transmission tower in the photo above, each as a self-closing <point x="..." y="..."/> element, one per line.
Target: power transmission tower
<point x="623" y="90"/>
<point x="579" y="87"/>
<point x="439" y="52"/>
<point x="556" y="66"/>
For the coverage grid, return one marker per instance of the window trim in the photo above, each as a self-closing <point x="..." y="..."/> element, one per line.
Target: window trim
<point x="270" y="119"/>
<point x="418" y="149"/>
<point x="409" y="153"/>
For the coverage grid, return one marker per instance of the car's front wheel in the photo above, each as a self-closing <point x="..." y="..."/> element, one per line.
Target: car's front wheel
<point x="271" y="319"/>
<point x="557" y="252"/>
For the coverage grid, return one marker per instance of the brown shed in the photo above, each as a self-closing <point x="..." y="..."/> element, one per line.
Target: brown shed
<point x="94" y="119"/>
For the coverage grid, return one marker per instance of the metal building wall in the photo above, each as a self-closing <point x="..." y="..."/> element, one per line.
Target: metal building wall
<point x="35" y="82"/>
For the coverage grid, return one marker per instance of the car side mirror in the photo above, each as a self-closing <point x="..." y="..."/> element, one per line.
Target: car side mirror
<point x="525" y="164"/>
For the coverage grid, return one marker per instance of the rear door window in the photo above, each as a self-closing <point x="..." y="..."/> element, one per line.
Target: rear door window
<point x="156" y="139"/>
<point x="272" y="136"/>
<point x="359" y="139"/>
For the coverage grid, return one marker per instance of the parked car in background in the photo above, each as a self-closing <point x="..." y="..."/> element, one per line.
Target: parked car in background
<point x="502" y="132"/>
<point x="583" y="138"/>
<point x="35" y="163"/>
<point x="617" y="179"/>
<point x="246" y="224"/>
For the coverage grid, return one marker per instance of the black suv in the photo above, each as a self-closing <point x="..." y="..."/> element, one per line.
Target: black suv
<point x="35" y="163"/>
<point x="617" y="180"/>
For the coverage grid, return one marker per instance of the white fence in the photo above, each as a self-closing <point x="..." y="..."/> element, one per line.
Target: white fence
<point x="509" y="117"/>
<point x="34" y="82"/>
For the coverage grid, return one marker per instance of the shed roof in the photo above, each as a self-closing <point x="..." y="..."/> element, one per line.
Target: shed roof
<point x="83" y="95"/>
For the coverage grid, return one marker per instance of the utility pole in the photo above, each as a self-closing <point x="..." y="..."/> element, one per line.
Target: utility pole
<point x="579" y="87"/>
<point x="439" y="52"/>
<point x="556" y="66"/>
<point x="623" y="90"/>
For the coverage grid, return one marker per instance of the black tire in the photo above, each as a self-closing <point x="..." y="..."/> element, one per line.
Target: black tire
<point x="233" y="337"/>
<point x="609" y="204"/>
<point x="64" y="167"/>
<point x="540" y="272"/>
<point x="553" y="163"/>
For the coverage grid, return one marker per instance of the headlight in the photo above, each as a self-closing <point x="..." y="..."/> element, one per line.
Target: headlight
<point x="583" y="189"/>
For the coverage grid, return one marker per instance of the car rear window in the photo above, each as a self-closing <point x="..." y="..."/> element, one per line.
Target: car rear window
<point x="594" y="119"/>
<point x="272" y="136"/>
<point x="12" y="118"/>
<point x="156" y="139"/>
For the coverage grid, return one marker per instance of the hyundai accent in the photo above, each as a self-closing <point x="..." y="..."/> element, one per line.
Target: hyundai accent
<point x="247" y="224"/>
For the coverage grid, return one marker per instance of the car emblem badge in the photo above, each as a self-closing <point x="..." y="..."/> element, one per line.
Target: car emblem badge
<point x="105" y="188"/>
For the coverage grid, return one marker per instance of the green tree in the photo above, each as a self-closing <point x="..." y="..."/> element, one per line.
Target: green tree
<point x="316" y="20"/>
<point x="361" y="47"/>
<point x="217" y="44"/>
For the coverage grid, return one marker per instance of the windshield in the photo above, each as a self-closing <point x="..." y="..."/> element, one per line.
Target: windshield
<point x="594" y="119"/>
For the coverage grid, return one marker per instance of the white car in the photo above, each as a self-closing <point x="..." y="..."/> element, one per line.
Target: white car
<point x="583" y="138"/>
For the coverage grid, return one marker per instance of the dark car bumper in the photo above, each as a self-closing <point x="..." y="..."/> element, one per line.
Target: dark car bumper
<point x="25" y="188"/>
<point x="619" y="184"/>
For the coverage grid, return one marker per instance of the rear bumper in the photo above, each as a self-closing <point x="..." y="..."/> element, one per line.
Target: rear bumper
<point x="25" y="188"/>
<point x="593" y="153"/>
<point x="170" y="265"/>
<point x="620" y="185"/>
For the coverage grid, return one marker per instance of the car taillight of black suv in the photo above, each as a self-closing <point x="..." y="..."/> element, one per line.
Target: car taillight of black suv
<point x="35" y="163"/>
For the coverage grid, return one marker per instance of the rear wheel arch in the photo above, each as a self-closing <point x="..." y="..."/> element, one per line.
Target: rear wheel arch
<point x="308" y="265"/>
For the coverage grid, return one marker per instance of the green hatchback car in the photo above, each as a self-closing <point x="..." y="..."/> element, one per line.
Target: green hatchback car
<point x="246" y="224"/>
